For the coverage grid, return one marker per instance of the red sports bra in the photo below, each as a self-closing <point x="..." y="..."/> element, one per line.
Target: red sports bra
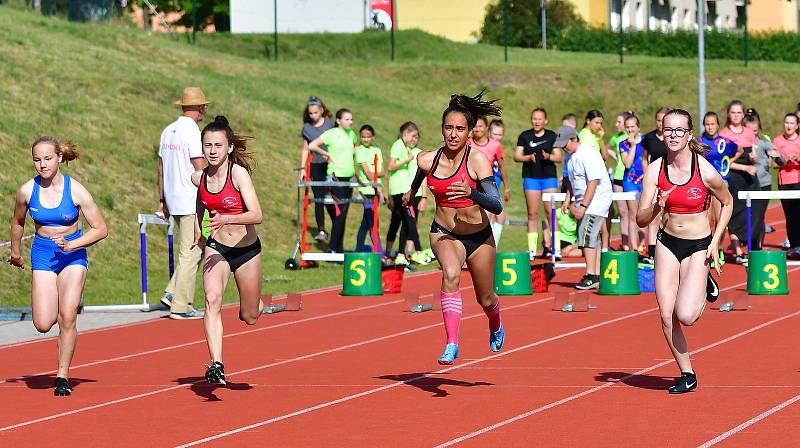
<point x="691" y="197"/>
<point x="227" y="201"/>
<point x="439" y="187"/>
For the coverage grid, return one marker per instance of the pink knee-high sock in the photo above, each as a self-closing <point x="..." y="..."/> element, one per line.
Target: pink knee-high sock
<point x="451" y="312"/>
<point x="493" y="313"/>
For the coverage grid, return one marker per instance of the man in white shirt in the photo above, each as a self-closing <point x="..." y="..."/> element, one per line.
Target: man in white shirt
<point x="179" y="155"/>
<point x="590" y="187"/>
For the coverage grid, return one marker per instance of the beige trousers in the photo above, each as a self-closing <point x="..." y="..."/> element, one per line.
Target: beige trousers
<point x="183" y="280"/>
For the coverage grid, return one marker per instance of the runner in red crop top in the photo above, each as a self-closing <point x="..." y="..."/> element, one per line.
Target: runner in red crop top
<point x="681" y="185"/>
<point x="462" y="182"/>
<point x="440" y="187"/>
<point x="233" y="245"/>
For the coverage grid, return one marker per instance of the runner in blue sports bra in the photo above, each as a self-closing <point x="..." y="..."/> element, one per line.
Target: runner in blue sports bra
<point x="58" y="253"/>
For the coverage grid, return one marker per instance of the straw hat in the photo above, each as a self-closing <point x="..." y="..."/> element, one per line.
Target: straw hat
<point x="192" y="96"/>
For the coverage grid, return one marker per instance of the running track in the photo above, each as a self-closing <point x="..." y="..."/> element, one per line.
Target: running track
<point x="357" y="371"/>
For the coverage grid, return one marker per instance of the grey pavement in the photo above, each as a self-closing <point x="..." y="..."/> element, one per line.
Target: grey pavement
<point x="21" y="331"/>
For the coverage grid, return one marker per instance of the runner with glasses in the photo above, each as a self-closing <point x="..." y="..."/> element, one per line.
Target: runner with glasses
<point x="679" y="188"/>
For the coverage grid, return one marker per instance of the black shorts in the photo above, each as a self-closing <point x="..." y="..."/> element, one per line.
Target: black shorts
<point x="681" y="247"/>
<point x="235" y="256"/>
<point x="618" y="182"/>
<point x="470" y="242"/>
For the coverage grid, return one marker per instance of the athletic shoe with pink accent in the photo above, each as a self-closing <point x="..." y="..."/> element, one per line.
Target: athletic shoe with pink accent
<point x="449" y="355"/>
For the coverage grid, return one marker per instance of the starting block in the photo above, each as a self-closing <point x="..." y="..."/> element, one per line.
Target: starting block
<point x="414" y="304"/>
<point x="294" y="302"/>
<point x="570" y="301"/>
<point x="739" y="301"/>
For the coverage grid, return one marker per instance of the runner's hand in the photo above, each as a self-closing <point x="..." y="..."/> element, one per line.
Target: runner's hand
<point x="16" y="261"/>
<point x="712" y="253"/>
<point x="408" y="198"/>
<point x="663" y="195"/>
<point x="506" y="194"/>
<point x="459" y="189"/>
<point x="217" y="220"/>
<point x="62" y="244"/>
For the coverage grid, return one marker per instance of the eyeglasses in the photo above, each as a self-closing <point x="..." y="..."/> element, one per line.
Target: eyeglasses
<point x="677" y="132"/>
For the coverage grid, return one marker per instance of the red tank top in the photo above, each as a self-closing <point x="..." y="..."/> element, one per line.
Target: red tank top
<point x="439" y="186"/>
<point x="691" y="197"/>
<point x="227" y="201"/>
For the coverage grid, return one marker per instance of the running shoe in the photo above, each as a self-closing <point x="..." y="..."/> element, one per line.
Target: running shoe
<point x="189" y="315"/>
<point x="742" y="260"/>
<point x="215" y="373"/>
<point x="558" y="256"/>
<point x="166" y="300"/>
<point x="686" y="383"/>
<point x="546" y="252"/>
<point x="531" y="255"/>
<point x="429" y="253"/>
<point x="786" y="244"/>
<point x="497" y="339"/>
<point x="400" y="259"/>
<point x="588" y="282"/>
<point x="321" y="236"/>
<point x="768" y="228"/>
<point x="449" y="355"/>
<point x="62" y="387"/>
<point x="646" y="259"/>
<point x="420" y="258"/>
<point x="712" y="289"/>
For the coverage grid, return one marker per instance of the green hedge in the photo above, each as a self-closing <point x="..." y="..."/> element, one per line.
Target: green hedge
<point x="773" y="46"/>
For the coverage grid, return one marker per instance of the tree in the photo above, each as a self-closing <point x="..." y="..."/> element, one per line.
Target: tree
<point x="525" y="23"/>
<point x="208" y="12"/>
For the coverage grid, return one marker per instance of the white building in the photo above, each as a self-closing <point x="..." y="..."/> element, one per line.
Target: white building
<point x="673" y="14"/>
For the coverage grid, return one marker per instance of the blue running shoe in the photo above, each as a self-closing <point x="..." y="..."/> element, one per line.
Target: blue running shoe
<point x="496" y="339"/>
<point x="450" y="353"/>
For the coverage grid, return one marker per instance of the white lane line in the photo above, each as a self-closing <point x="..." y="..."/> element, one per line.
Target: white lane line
<point x="750" y="422"/>
<point x="417" y="378"/>
<point x="266" y="366"/>
<point x="606" y="385"/>
<point x="227" y="305"/>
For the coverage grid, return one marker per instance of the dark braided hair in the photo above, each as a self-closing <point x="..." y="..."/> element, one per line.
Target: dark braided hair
<point x="239" y="156"/>
<point x="694" y="144"/>
<point x="472" y="108"/>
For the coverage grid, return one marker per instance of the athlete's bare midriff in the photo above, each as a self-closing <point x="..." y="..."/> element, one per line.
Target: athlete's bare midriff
<point x="688" y="226"/>
<point x="236" y="235"/>
<point x="462" y="221"/>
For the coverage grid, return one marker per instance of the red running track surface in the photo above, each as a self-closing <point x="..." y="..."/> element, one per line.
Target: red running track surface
<point x="358" y="371"/>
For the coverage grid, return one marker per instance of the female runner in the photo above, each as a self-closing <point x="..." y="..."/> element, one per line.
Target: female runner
<point x="681" y="185"/>
<point x="493" y="150"/>
<point x="462" y="183"/>
<point x="226" y="190"/>
<point x="58" y="255"/>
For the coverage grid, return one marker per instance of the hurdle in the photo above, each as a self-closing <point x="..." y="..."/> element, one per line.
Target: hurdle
<point x="143" y="220"/>
<point x="749" y="195"/>
<point x="561" y="197"/>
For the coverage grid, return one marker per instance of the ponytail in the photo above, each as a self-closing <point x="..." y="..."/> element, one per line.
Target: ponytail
<point x="240" y="155"/>
<point x="472" y="108"/>
<point x="67" y="150"/>
<point x="697" y="147"/>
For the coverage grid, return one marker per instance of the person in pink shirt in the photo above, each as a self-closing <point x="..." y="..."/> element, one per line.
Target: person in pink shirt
<point x="742" y="176"/>
<point x="788" y="146"/>
<point x="493" y="150"/>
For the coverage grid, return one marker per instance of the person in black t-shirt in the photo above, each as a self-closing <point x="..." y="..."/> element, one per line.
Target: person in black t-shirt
<point x="535" y="152"/>
<point x="653" y="149"/>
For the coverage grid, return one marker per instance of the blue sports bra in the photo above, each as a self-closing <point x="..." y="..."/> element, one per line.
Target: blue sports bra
<point x="64" y="215"/>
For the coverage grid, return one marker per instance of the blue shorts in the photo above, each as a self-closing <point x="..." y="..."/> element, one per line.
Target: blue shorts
<point x="631" y="186"/>
<point x="529" y="183"/>
<point x="47" y="256"/>
<point x="498" y="180"/>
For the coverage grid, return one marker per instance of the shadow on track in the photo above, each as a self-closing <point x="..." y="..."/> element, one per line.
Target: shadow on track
<point x="432" y="384"/>
<point x="202" y="389"/>
<point x="640" y="381"/>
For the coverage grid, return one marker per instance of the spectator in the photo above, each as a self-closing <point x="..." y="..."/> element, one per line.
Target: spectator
<point x="764" y="154"/>
<point x="788" y="146"/>
<point x="179" y="155"/>
<point x="316" y="120"/>
<point x="590" y="187"/>
<point x="365" y="173"/>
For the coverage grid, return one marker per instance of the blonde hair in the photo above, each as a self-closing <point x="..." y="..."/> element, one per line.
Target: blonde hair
<point x="66" y="149"/>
